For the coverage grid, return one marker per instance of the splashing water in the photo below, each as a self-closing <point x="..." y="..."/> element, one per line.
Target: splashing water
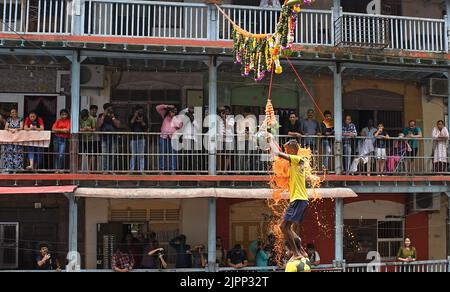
<point x="279" y="183"/>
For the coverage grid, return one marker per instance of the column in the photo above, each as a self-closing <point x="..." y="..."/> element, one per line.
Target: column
<point x="212" y="204"/>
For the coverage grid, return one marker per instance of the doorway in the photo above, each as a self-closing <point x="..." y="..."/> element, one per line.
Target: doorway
<point x="44" y="106"/>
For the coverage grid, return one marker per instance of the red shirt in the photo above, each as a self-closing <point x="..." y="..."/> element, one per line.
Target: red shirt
<point x="40" y="122"/>
<point x="62" y="125"/>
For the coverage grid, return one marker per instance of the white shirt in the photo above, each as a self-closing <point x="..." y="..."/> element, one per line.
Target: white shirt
<point x="226" y="130"/>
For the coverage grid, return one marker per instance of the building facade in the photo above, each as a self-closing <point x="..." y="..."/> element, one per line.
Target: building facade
<point x="385" y="61"/>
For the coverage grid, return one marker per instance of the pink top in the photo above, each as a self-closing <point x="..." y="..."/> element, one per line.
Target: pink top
<point x="169" y="125"/>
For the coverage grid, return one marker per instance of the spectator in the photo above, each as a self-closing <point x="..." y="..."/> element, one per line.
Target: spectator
<point x="199" y="257"/>
<point x="310" y="127"/>
<point x="399" y="150"/>
<point x="262" y="255"/>
<point x="327" y="130"/>
<point x="61" y="129"/>
<point x="192" y="135"/>
<point x="45" y="261"/>
<point x="380" y="148"/>
<point x="183" y="252"/>
<point x="440" y="145"/>
<point x="35" y="154"/>
<point x="294" y="128"/>
<point x="270" y="4"/>
<point x="2" y="127"/>
<point x="221" y="253"/>
<point x="86" y="145"/>
<point x="138" y="124"/>
<point x="407" y="253"/>
<point x="108" y="122"/>
<point x="237" y="257"/>
<point x="225" y="138"/>
<point x="313" y="255"/>
<point x="271" y="242"/>
<point x="170" y="124"/>
<point x="96" y="146"/>
<point x="2" y="121"/>
<point x="93" y="110"/>
<point x="412" y="131"/>
<point x="368" y="147"/>
<point x="348" y="133"/>
<point x="13" y="154"/>
<point x="246" y="126"/>
<point x="122" y="261"/>
<point x="153" y="256"/>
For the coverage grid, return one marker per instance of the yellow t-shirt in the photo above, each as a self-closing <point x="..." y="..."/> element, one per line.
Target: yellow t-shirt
<point x="298" y="266"/>
<point x="297" y="181"/>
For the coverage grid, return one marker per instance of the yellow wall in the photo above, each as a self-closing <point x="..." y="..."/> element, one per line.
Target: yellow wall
<point x="323" y="87"/>
<point x="437" y="240"/>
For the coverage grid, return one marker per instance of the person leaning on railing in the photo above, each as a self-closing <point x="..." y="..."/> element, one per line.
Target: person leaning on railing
<point x="440" y="147"/>
<point x="412" y="131"/>
<point x="86" y="145"/>
<point x="13" y="154"/>
<point x="34" y="123"/>
<point x="327" y="130"/>
<point x="61" y="129"/>
<point x="407" y="253"/>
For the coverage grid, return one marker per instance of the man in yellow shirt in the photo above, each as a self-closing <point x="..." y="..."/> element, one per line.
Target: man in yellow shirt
<point x="295" y="213"/>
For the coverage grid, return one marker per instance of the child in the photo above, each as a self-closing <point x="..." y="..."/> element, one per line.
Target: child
<point x="380" y="148"/>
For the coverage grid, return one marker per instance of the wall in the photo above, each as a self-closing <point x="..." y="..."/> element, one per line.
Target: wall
<point x="437" y="239"/>
<point x="43" y="81"/>
<point x="194" y="222"/>
<point x="416" y="224"/>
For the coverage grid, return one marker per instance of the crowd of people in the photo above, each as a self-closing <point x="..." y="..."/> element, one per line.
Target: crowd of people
<point x="100" y="147"/>
<point x="139" y="253"/>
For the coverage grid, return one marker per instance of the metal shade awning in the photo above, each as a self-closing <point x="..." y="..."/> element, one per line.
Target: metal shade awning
<point x="37" y="190"/>
<point x="185" y="193"/>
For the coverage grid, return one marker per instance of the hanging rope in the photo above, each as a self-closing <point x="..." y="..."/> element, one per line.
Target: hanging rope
<point x="305" y="87"/>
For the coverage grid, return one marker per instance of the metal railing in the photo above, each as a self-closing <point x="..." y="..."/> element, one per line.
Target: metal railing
<point x="392" y="32"/>
<point x="436" y="266"/>
<point x="36" y="16"/>
<point x="395" y="156"/>
<point x="148" y="153"/>
<point x="431" y="266"/>
<point x="146" y="19"/>
<point x="200" y="21"/>
<point x="315" y="27"/>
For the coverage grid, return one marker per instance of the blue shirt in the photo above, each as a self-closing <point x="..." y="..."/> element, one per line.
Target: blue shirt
<point x="350" y="129"/>
<point x="262" y="259"/>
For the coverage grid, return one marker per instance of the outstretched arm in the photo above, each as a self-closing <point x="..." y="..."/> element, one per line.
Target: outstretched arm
<point x="275" y="149"/>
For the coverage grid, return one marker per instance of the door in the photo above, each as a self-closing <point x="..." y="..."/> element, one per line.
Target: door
<point x="9" y="245"/>
<point x="108" y="236"/>
<point x="244" y="233"/>
<point x="44" y="106"/>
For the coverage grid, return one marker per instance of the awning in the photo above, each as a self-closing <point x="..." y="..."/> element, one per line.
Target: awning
<point x="37" y="190"/>
<point x="190" y="193"/>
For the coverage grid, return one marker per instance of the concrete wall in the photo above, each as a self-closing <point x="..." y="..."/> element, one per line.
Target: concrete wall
<point x="437" y="239"/>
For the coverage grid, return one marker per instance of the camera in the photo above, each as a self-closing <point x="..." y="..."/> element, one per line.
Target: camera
<point x="34" y="123"/>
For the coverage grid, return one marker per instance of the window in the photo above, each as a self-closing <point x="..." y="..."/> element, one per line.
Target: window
<point x="9" y="245"/>
<point x="390" y="238"/>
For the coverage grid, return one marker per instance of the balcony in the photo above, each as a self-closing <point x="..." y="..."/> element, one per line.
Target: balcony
<point x="126" y="22"/>
<point x="130" y="158"/>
